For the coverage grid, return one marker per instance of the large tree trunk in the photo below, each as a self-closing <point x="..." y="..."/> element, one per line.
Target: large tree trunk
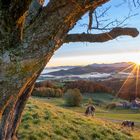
<point x="26" y="50"/>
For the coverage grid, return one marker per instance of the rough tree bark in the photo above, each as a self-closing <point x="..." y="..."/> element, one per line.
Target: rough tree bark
<point x="29" y="35"/>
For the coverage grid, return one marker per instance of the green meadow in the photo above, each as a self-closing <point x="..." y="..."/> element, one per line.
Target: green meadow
<point x="100" y="100"/>
<point x="51" y="119"/>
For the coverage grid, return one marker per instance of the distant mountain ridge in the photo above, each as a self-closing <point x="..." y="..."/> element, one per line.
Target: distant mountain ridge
<point x="101" y="68"/>
<point x="122" y="64"/>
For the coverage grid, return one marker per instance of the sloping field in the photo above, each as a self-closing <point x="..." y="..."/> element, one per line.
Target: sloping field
<point x="43" y="121"/>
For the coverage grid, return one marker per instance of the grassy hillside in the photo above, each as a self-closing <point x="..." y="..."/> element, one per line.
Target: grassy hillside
<point x="43" y="121"/>
<point x="100" y="100"/>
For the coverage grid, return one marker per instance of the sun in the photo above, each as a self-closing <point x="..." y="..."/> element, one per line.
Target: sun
<point x="135" y="58"/>
<point x="134" y="69"/>
<point x="137" y="62"/>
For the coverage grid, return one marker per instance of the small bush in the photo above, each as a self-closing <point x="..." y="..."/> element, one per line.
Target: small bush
<point x="73" y="97"/>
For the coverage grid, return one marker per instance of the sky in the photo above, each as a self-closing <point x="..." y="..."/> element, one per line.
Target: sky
<point x="122" y="49"/>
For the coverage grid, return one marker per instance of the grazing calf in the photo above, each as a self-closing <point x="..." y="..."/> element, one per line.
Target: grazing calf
<point x="90" y="110"/>
<point x="130" y="124"/>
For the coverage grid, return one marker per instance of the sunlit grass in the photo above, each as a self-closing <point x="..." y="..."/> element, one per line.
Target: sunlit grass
<point x="101" y="111"/>
<point x="120" y="116"/>
<point x="43" y="121"/>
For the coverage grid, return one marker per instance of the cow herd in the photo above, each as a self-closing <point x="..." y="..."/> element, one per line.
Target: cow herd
<point x="90" y="110"/>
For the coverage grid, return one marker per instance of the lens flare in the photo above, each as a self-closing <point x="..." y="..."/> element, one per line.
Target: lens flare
<point x="127" y="83"/>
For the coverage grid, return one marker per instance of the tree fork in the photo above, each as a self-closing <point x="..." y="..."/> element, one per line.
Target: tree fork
<point x="20" y="59"/>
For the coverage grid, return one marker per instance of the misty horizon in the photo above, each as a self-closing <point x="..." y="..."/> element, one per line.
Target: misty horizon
<point x="90" y="64"/>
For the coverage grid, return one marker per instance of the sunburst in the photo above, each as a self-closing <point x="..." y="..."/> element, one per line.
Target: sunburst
<point x="137" y="80"/>
<point x="135" y="71"/>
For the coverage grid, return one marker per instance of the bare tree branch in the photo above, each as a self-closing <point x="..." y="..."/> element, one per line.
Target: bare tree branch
<point x="111" y="24"/>
<point x="90" y="19"/>
<point x="103" y="37"/>
<point x="131" y="3"/>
